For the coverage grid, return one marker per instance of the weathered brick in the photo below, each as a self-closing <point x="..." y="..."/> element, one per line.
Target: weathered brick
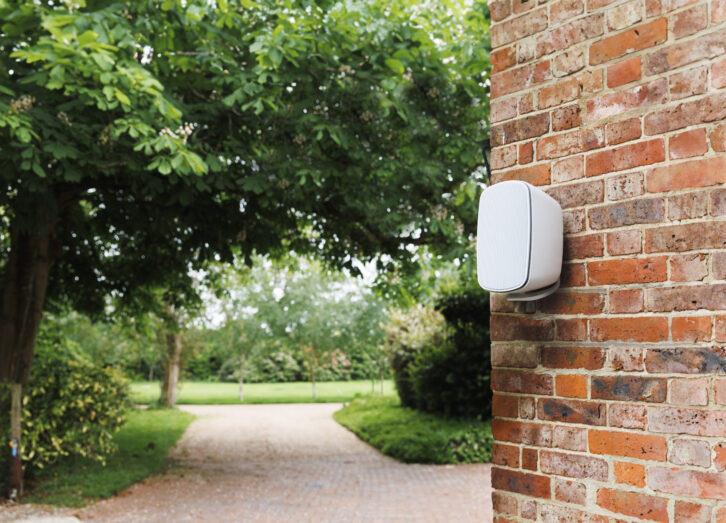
<point x="686" y="512"/>
<point x="628" y="388"/>
<point x="718" y="202"/>
<point x="569" y="61"/>
<point x="625" y="15"/>
<point x="526" y="50"/>
<point x="659" y="7"/>
<point x="571" y="330"/>
<point x="499" y="303"/>
<point x="625" y="301"/>
<point x="630" y="41"/>
<point x="505" y="406"/>
<point x="570" y="438"/>
<point x="687" y="206"/>
<point x="570" y="143"/>
<point x="640" y="329"/>
<point x="526" y="103"/>
<point x="687" y="421"/>
<point x="688" y="267"/>
<point x="624" y="242"/>
<point x="623" y="72"/>
<point x="690" y="452"/>
<point x="504" y="504"/>
<point x="529" y="510"/>
<point x="719" y="266"/>
<point x="626" y="359"/>
<point x="708" y="109"/>
<point x="590" y="358"/>
<point x="718" y="11"/>
<point x="562" y="10"/>
<point x="633" y="504"/>
<point x="571" y="302"/>
<point x="592" y="80"/>
<point x="718" y="74"/>
<point x="629" y="473"/>
<point x="507" y="455"/>
<point x="718" y="138"/>
<point x="695" y="173"/>
<point x="689" y="392"/>
<point x="686" y="298"/>
<point x="527" y="408"/>
<point x="691" y="328"/>
<point x="520" y="355"/>
<point x="502" y="109"/>
<point x="691" y="483"/>
<point x="559" y="513"/>
<point x="500" y="9"/>
<point x="526" y="433"/>
<point x="690" y="21"/>
<point x="623" y="131"/>
<point x="578" y="194"/>
<point x="521" y="381"/>
<point x="564" y="118"/>
<point x="706" y="46"/>
<point x="719" y="460"/>
<point x="688" y="144"/>
<point x="626" y="100"/>
<point x="626" y="416"/>
<point x="520" y="129"/>
<point x="688" y="83"/>
<point x="573" y="275"/>
<point x="579" y="247"/>
<point x="571" y="411"/>
<point x="521" y="483"/>
<point x="720" y="512"/>
<point x="625" y="157"/>
<point x="692" y="360"/>
<point x="570" y="491"/>
<point x="521" y="78"/>
<point x="573" y="466"/>
<point x="689" y="237"/>
<point x="624" y="186"/>
<point x="627" y="444"/>
<point x="558" y="93"/>
<point x="526" y="153"/>
<point x="568" y="169"/>
<point x="573" y="221"/>
<point x="503" y="59"/>
<point x="513" y="328"/>
<point x="570" y="34"/>
<point x="519" y="27"/>
<point x="503" y="157"/>
<point x="631" y="270"/>
<point x="571" y="386"/>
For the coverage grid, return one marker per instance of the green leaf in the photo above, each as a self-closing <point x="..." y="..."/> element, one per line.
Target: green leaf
<point x="395" y="65"/>
<point x="121" y="97"/>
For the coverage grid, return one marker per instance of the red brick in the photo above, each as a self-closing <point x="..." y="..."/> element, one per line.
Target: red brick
<point x="689" y="237"/>
<point x="571" y="330"/>
<point x="592" y="80"/>
<point x="500" y="9"/>
<point x="640" y="329"/>
<point x="695" y="173"/>
<point x="570" y="302"/>
<point x="570" y="438"/>
<point x="624" y="242"/>
<point x="686" y="298"/>
<point x="552" y="513"/>
<point x="686" y="512"/>
<point x="571" y="386"/>
<point x="692" y="360"/>
<point x="507" y="455"/>
<point x="628" y="388"/>
<point x="571" y="411"/>
<point x="499" y="303"/>
<point x="518" y="79"/>
<point x="688" y="83"/>
<point x="718" y="14"/>
<point x="719" y="460"/>
<point x="708" y="109"/>
<point x="527" y="408"/>
<point x="627" y="213"/>
<point x="690" y="21"/>
<point x="562" y="10"/>
<point x="526" y="433"/>
<point x="691" y="328"/>
<point x="630" y="270"/>
<point x="559" y="93"/>
<point x="502" y="109"/>
<point x="503" y="59"/>
<point x="624" y="186"/>
<point x="590" y="358"/>
<point x="630" y="41"/>
<point x="573" y="275"/>
<point x="521" y="7"/>
<point x="504" y="504"/>
<point x="687" y="421"/>
<point x="689" y="267"/>
<point x="511" y="328"/>
<point x="529" y="459"/>
<point x="578" y="247"/>
<point x="623" y="131"/>
<point x="567" y="144"/>
<point x="565" y="118"/>
<point x="629" y="473"/>
<point x="719" y="266"/>
<point x="568" y="169"/>
<point x="573" y="466"/>
<point x="520" y="355"/>
<point x="593" y="5"/>
<point x="568" y="61"/>
<point x="505" y="406"/>
<point x="578" y="194"/>
<point x="526" y="103"/>
<point x="573" y="221"/>
<point x="627" y="416"/>
<point x="518" y="28"/>
<point x="538" y="174"/>
<point x="627" y="444"/>
<point x="720" y="328"/>
<point x="526" y="153"/>
<point x="634" y="504"/>
<point x="520" y="381"/>
<point x="626" y="300"/>
<point x="570" y="34"/>
<point x="626" y="359"/>
<point x="623" y="72"/>
<point x="668" y="58"/>
<point x="691" y="483"/>
<point x="720" y="512"/>
<point x="718" y="202"/>
<point x="625" y="157"/>
<point x="687" y="144"/>
<point x="503" y="157"/>
<point x="521" y="483"/>
<point x="619" y="102"/>
<point x="690" y="452"/>
<point x="718" y="138"/>
<point x="718" y="74"/>
<point x="686" y="206"/>
<point x="520" y="129"/>
<point x="625" y="15"/>
<point x="570" y="492"/>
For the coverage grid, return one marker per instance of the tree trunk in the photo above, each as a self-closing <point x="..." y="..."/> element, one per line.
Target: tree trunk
<point x="312" y="378"/>
<point x="171" y="374"/>
<point x="16" y="464"/>
<point x="241" y="378"/>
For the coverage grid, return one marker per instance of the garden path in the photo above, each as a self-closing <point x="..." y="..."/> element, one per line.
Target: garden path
<point x="276" y="463"/>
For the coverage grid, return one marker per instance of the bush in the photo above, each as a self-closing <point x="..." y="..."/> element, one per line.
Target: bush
<point x="70" y="406"/>
<point x="409" y="333"/>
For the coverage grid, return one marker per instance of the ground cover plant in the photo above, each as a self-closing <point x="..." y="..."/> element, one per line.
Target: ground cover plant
<point x="416" y="437"/>
<point x="142" y="447"/>
<point x="202" y="393"/>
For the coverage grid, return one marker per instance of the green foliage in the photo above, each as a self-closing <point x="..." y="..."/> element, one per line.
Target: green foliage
<point x="275" y="367"/>
<point x="415" y="437"/>
<point x="142" y="445"/>
<point x="71" y="407"/>
<point x="408" y="333"/>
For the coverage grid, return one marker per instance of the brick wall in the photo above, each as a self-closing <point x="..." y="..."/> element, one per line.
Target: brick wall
<point x="610" y="399"/>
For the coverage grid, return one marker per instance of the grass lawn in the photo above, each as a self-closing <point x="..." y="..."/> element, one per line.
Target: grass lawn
<point x="142" y="447"/>
<point x="415" y="437"/>
<point x="202" y="393"/>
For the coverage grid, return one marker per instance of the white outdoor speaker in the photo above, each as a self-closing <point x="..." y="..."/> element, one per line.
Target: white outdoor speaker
<point x="519" y="241"/>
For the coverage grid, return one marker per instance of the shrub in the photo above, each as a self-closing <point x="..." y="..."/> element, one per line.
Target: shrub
<point x="70" y="406"/>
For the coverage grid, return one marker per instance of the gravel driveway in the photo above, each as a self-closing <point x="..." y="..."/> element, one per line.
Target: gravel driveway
<point x="275" y="463"/>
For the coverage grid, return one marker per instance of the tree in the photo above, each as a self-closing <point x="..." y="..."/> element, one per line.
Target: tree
<point x="140" y="139"/>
